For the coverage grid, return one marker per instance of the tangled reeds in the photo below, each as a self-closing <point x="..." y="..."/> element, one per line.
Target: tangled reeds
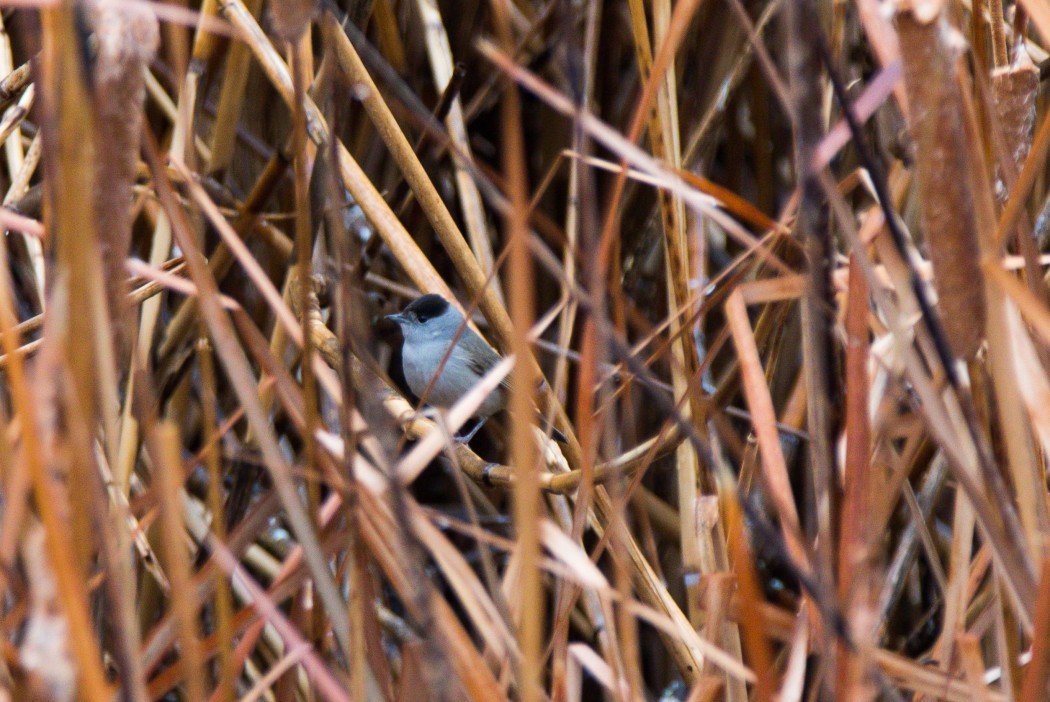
<point x="774" y="269"/>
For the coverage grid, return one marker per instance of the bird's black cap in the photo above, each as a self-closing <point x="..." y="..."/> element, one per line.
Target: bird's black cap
<point x="427" y="307"/>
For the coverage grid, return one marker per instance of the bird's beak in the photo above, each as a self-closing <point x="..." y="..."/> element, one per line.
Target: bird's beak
<point x="394" y="318"/>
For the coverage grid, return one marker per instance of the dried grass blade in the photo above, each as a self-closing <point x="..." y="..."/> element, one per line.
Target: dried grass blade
<point x="231" y="98"/>
<point x="440" y="54"/>
<point x="323" y="680"/>
<point x="611" y="139"/>
<point x="166" y="447"/>
<point x="764" y="420"/>
<point x="1037" y="675"/>
<point x="244" y="384"/>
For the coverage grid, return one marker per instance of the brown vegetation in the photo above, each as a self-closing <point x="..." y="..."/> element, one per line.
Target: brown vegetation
<point x="772" y="267"/>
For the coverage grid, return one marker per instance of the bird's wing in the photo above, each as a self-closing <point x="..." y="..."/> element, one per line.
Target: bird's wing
<point x="482" y="359"/>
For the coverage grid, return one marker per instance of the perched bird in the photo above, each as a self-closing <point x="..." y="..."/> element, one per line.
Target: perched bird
<point x="429" y="325"/>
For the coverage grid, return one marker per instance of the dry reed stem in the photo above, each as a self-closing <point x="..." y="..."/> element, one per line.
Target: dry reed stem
<point x="221" y="259"/>
<point x="527" y="504"/>
<point x="664" y="136"/>
<point x="441" y="65"/>
<point x="1040" y="15"/>
<point x="236" y="365"/>
<point x="337" y="565"/>
<point x="440" y="218"/>
<point x="820" y="376"/>
<point x="750" y="616"/>
<point x="855" y="576"/>
<point x="84" y="364"/>
<point x="166" y="446"/>
<point x="947" y="424"/>
<point x="452" y="239"/>
<point x="1022" y="462"/>
<point x="764" y="419"/>
<point x="231" y="99"/>
<point x="635" y="156"/>
<point x="322" y="678"/>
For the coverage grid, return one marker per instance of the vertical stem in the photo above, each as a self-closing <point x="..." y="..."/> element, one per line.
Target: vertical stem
<point x="999" y="54"/>
<point x="526" y="493"/>
<point x="224" y="690"/>
<point x="854" y="547"/>
<point x="1037" y="674"/>
<point x="345" y="299"/>
<point x="77" y="333"/>
<point x="165" y="447"/>
<point x="752" y="624"/>
<point x="803" y="32"/>
<point x="300" y="69"/>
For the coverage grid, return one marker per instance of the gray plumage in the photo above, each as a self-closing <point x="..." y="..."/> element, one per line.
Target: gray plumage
<point x="429" y="324"/>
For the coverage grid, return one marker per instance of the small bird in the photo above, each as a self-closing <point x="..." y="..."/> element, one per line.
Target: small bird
<point x="429" y="325"/>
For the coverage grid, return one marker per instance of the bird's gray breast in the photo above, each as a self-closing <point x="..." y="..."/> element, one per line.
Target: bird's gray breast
<point x="421" y="360"/>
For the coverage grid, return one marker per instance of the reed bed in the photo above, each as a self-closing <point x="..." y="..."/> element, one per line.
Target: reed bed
<point x="776" y="269"/>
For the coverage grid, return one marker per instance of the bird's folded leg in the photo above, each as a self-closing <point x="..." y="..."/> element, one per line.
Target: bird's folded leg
<point x="470" y="435"/>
